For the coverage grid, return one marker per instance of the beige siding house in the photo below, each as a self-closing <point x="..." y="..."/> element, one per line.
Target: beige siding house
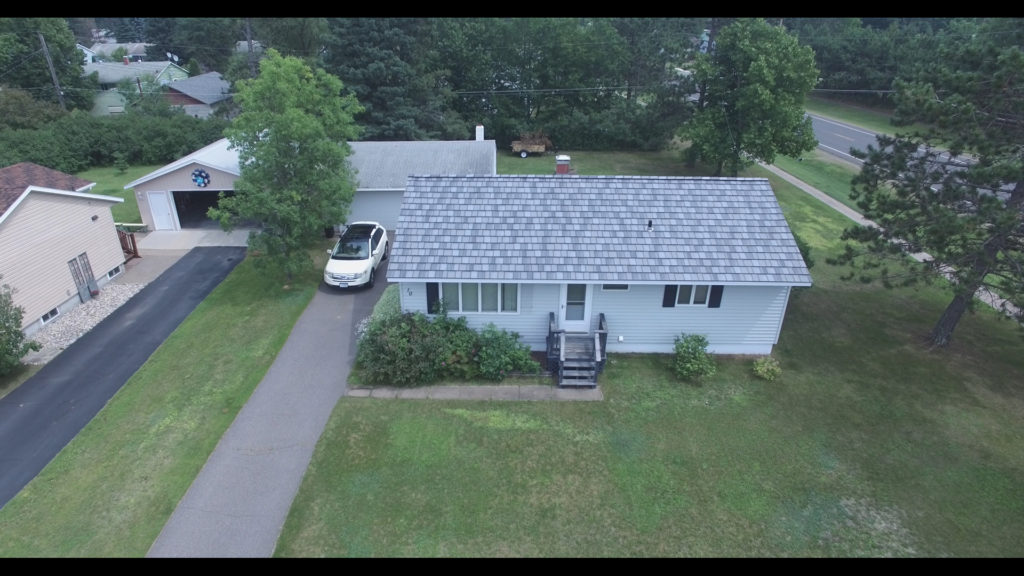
<point x="58" y="242"/>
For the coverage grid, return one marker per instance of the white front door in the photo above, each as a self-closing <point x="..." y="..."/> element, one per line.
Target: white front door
<point x="574" y="315"/>
<point x="160" y="208"/>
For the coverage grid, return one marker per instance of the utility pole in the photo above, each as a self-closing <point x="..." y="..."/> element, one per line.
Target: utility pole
<point x="53" y="73"/>
<point x="252" y="55"/>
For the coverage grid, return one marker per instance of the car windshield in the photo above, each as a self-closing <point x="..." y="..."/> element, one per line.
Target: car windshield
<point x="354" y="249"/>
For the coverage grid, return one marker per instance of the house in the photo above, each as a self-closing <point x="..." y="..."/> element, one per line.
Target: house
<point x="88" y="55"/>
<point x="134" y="51"/>
<point x="110" y="74"/>
<point x="177" y="195"/>
<point x="606" y="263"/>
<point x="55" y="237"/>
<point x="197" y="95"/>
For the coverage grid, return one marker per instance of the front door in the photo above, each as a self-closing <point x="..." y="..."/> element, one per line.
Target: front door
<point x="160" y="207"/>
<point x="575" y="309"/>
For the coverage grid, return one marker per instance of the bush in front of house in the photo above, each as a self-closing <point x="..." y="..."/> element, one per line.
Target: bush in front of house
<point x="767" y="368"/>
<point x="502" y="353"/>
<point x="692" y="360"/>
<point x="461" y="344"/>
<point x="13" y="345"/>
<point x="400" y="350"/>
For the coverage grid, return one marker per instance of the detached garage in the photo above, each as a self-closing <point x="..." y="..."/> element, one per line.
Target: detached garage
<point x="177" y="196"/>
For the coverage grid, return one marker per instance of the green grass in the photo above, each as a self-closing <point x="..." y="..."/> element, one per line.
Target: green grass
<point x="823" y="172"/>
<point x="868" y="444"/>
<point x="109" y="492"/>
<point x="111" y="181"/>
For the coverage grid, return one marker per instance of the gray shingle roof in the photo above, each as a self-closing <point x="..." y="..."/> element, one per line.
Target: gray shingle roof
<point x="208" y="88"/>
<point x="386" y="165"/>
<point x="560" y="228"/>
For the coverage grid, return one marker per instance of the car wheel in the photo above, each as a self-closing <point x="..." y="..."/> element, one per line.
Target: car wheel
<point x="373" y="277"/>
<point x="387" y="251"/>
<point x="524" y="154"/>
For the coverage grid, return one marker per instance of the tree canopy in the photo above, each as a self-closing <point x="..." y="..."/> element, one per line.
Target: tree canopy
<point x="292" y="140"/>
<point x="753" y="83"/>
<point x="953" y="191"/>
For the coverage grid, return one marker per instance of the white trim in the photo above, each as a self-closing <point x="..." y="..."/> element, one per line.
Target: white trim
<point x="85" y="195"/>
<point x="479" y="299"/>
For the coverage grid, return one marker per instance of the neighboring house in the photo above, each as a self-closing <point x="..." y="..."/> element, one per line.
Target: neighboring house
<point x="110" y="74"/>
<point x="88" y="56"/>
<point x="177" y="195"/>
<point x="617" y="263"/>
<point x="134" y="51"/>
<point x="197" y="95"/>
<point x="55" y="237"/>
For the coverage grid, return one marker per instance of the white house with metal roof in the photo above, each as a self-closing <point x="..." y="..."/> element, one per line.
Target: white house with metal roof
<point x="626" y="263"/>
<point x="177" y="195"/>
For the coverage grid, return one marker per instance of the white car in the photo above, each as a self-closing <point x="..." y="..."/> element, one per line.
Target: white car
<point x="357" y="255"/>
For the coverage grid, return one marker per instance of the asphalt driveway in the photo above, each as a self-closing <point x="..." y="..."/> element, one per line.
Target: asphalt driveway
<point x="238" y="503"/>
<point x="44" y="413"/>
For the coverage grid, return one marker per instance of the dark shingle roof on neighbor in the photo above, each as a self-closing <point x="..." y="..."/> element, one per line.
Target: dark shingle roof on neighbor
<point x="569" y="228"/>
<point x="208" y="88"/>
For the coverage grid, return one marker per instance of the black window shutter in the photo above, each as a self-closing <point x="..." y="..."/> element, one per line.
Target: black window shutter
<point x="716" y="297"/>
<point x="432" y="297"/>
<point x="669" y="300"/>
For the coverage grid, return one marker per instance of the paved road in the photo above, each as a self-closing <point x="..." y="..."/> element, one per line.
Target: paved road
<point x="837" y="138"/>
<point x="43" y="414"/>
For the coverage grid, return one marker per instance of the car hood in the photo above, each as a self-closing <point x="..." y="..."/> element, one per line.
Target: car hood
<point x="346" y="266"/>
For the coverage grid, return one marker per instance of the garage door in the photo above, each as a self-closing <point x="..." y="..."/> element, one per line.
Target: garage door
<point x="376" y="205"/>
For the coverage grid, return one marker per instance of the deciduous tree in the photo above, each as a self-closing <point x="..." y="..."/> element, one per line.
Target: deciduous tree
<point x="292" y="140"/>
<point x="755" y="80"/>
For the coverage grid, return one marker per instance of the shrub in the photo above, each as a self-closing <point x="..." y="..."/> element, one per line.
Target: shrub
<point x="767" y="368"/>
<point x="692" y="359"/>
<point x="12" y="340"/>
<point x="461" y="345"/>
<point x="502" y="353"/>
<point x="400" y="351"/>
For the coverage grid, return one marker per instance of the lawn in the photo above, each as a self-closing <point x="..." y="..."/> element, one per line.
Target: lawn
<point x="869" y="444"/>
<point x="111" y="181"/>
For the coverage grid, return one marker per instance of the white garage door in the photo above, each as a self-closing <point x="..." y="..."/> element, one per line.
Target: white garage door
<point x="376" y="205"/>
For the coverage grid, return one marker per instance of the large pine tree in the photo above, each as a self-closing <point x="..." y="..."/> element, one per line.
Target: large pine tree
<point x="953" y="191"/>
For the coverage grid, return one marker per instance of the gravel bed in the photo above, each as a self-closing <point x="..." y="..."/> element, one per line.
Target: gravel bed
<point x="70" y="326"/>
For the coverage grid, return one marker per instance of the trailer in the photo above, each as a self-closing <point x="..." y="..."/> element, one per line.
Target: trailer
<point x="531" y="143"/>
<point x="524" y="149"/>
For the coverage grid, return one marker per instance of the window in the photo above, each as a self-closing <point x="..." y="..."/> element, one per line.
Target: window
<point x="615" y="287"/>
<point x="692" y="295"/>
<point x="50" y="315"/>
<point x="470" y="297"/>
<point x="114" y="272"/>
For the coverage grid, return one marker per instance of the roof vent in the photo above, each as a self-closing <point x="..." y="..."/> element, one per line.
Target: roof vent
<point x="650" y="225"/>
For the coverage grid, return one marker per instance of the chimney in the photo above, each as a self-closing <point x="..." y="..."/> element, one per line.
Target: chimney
<point x="479" y="132"/>
<point x="561" y="164"/>
<point x="125" y="60"/>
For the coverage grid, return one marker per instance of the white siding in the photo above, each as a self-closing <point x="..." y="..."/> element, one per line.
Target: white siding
<point x="39" y="238"/>
<point x="535" y="301"/>
<point x="748" y="321"/>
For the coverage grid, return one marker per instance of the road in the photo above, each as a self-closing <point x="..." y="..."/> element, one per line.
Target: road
<point x="837" y="138"/>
